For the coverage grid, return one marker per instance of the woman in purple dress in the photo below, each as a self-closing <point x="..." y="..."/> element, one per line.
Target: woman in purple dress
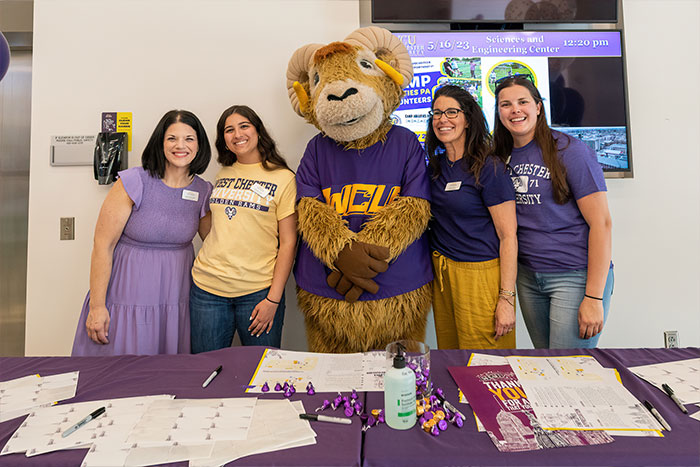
<point x="142" y="255"/>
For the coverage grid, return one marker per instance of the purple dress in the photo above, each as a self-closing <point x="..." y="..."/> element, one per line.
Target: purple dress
<point x="148" y="291"/>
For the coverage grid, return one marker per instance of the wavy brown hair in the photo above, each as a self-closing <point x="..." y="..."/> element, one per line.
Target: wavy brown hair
<point x="477" y="146"/>
<point x="503" y="140"/>
<point x="271" y="158"/>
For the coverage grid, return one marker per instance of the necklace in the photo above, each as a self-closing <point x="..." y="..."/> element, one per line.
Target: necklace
<point x="451" y="163"/>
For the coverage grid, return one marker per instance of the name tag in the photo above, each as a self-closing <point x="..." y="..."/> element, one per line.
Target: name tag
<point x="190" y="195"/>
<point x="453" y="186"/>
<point x="260" y="190"/>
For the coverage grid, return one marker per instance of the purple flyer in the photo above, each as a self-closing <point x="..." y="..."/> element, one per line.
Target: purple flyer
<point x="497" y="398"/>
<point x="109" y="122"/>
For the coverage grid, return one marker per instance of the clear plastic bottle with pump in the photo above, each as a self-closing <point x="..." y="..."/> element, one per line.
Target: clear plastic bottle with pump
<point x="400" y="395"/>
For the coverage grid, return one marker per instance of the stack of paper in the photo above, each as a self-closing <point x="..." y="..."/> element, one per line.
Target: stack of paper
<point x="41" y="431"/>
<point x="140" y="431"/>
<point x="176" y="430"/>
<point x="682" y="375"/>
<point x="19" y="396"/>
<point x="276" y="425"/>
<point x="498" y="399"/>
<point x="569" y="393"/>
<point x="576" y="392"/>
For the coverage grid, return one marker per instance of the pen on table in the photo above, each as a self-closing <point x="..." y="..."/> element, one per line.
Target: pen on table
<point x="211" y="377"/>
<point x="325" y="418"/>
<point x="673" y="397"/>
<point x="82" y="422"/>
<point x="450" y="406"/>
<point x="657" y="415"/>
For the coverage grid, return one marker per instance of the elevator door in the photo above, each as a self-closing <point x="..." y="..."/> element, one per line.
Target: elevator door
<point x="15" y="107"/>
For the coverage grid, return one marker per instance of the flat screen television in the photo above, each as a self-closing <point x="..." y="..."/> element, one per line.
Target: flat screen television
<point x="494" y="11"/>
<point x="580" y="74"/>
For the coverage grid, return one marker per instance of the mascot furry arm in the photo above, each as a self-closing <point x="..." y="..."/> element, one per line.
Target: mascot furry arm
<point x="376" y="65"/>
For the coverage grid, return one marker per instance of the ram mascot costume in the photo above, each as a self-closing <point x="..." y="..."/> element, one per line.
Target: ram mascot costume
<point x="363" y="268"/>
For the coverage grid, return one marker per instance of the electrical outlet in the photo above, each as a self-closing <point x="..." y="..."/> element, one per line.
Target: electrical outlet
<point x="671" y="339"/>
<point x="67" y="228"/>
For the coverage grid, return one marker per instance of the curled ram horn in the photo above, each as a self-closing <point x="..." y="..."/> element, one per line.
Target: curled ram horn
<point x="386" y="47"/>
<point x="298" y="71"/>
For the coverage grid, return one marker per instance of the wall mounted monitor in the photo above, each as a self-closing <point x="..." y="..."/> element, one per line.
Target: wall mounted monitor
<point x="494" y="11"/>
<point x="580" y="75"/>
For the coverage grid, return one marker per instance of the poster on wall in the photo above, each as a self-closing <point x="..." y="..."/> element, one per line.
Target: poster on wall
<point x="580" y="75"/>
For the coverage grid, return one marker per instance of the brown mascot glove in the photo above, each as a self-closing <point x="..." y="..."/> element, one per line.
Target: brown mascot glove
<point x="358" y="264"/>
<point x="363" y="260"/>
<point x="345" y="287"/>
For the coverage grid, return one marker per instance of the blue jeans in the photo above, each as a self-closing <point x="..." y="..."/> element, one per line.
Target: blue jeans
<point x="550" y="302"/>
<point x="215" y="319"/>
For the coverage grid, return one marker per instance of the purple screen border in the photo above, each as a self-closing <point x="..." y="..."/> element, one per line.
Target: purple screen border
<point x="592" y="43"/>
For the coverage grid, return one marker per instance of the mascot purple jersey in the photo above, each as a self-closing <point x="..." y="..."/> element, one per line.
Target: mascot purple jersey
<point x="358" y="186"/>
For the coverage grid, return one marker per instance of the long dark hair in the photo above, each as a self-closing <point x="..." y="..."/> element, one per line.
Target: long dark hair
<point x="266" y="145"/>
<point x="477" y="146"/>
<point x="503" y="140"/>
<point x="153" y="157"/>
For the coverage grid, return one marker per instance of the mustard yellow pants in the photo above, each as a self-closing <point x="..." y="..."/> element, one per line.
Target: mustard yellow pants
<point x="464" y="303"/>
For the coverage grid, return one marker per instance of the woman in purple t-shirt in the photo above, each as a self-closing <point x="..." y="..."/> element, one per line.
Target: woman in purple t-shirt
<point x="473" y="230"/>
<point x="565" y="276"/>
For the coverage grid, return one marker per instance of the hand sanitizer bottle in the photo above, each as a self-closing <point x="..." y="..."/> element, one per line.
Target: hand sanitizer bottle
<point x="400" y="395"/>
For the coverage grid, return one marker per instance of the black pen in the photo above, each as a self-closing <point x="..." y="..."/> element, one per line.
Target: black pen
<point x="211" y="377"/>
<point x="673" y="397"/>
<point x="82" y="422"/>
<point x="657" y="415"/>
<point x="451" y="407"/>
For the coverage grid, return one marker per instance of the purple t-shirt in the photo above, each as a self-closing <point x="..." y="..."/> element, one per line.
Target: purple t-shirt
<point x="553" y="237"/>
<point x="358" y="183"/>
<point x="462" y="228"/>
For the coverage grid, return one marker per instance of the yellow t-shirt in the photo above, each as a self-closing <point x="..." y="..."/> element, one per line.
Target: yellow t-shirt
<point x="239" y="254"/>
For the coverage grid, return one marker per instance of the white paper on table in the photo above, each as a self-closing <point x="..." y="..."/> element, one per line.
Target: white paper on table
<point x="683" y="376"/>
<point x="696" y="416"/>
<point x="576" y="392"/>
<point x="327" y="372"/>
<point x="477" y="359"/>
<point x="41" y="431"/>
<point x="139" y="456"/>
<point x="105" y="456"/>
<point x="193" y="421"/>
<point x="276" y="425"/>
<point x="177" y="430"/>
<point x="19" y="396"/>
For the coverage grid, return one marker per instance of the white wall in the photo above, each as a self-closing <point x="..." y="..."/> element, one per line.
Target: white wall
<point x="146" y="57"/>
<point x="656" y="215"/>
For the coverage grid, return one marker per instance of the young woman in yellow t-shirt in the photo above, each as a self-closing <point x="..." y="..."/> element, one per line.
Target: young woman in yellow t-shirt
<point x="241" y="270"/>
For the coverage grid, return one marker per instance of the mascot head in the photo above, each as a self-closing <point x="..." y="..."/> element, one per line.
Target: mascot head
<point x="349" y="89"/>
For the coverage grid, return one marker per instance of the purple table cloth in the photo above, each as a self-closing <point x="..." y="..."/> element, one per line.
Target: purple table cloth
<point x="181" y="375"/>
<point x="383" y="446"/>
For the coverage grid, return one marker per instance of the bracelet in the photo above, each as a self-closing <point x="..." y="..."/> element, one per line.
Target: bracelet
<point x="506" y="293"/>
<point x="591" y="297"/>
<point x="501" y="297"/>
<point x="272" y="301"/>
